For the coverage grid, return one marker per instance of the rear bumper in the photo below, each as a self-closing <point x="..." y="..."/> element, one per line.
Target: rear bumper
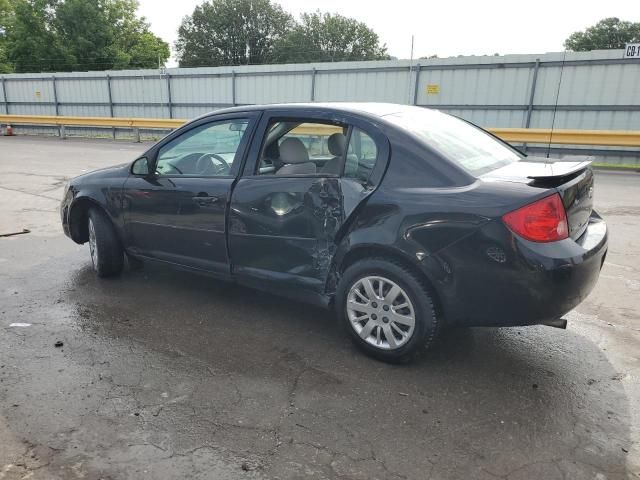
<point x="494" y="278"/>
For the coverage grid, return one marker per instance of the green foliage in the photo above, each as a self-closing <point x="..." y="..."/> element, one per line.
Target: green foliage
<point x="7" y="14"/>
<point x="325" y="37"/>
<point x="607" y="34"/>
<point x="32" y="43"/>
<point x="231" y="32"/>
<point x="110" y="35"/>
<point x="145" y="49"/>
<point x="239" y="32"/>
<point x="65" y="35"/>
<point x="6" y="17"/>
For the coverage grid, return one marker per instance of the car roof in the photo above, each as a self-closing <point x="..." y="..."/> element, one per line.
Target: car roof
<point x="374" y="109"/>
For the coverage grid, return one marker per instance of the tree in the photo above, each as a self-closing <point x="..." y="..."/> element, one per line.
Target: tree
<point x="607" y="34"/>
<point x="32" y="43"/>
<point x="231" y="32"/>
<point x="325" y="37"/>
<point x="57" y="35"/>
<point x="145" y="51"/>
<point x="107" y="34"/>
<point x="6" y="17"/>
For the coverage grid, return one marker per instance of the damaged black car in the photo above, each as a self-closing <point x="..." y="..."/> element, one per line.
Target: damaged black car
<point x="404" y="220"/>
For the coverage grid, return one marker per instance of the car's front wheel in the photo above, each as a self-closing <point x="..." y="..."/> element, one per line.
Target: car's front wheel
<point x="387" y="309"/>
<point x="106" y="251"/>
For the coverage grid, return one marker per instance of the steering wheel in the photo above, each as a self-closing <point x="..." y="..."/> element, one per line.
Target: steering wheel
<point x="213" y="164"/>
<point x="170" y="165"/>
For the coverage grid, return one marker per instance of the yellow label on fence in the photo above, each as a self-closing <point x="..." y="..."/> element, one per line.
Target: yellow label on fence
<point x="433" y="89"/>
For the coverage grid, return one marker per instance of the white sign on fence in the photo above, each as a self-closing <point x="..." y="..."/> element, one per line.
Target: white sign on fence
<point x="632" y="50"/>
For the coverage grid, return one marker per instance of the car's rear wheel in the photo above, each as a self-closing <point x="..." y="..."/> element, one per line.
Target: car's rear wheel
<point x="387" y="309"/>
<point x="106" y="251"/>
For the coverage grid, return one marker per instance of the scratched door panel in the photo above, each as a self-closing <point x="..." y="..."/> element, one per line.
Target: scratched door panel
<point x="283" y="229"/>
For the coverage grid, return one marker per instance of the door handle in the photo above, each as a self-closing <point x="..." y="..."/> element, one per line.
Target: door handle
<point x="204" y="199"/>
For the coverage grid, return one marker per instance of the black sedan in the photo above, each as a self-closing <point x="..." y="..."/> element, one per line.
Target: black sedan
<point x="404" y="220"/>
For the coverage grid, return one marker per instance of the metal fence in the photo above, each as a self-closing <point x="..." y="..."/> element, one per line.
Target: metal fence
<point x="586" y="90"/>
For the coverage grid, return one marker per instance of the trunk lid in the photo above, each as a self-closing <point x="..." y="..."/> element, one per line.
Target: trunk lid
<point x="572" y="180"/>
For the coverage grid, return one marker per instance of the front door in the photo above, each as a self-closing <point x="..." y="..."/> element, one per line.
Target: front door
<point x="177" y="214"/>
<point x="288" y="207"/>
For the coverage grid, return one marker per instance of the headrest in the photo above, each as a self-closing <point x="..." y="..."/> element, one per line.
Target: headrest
<point x="336" y="142"/>
<point x="292" y="150"/>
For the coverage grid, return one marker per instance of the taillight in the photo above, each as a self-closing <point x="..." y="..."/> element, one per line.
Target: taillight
<point x="542" y="221"/>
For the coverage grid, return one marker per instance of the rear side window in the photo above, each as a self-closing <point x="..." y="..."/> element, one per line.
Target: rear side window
<point x="361" y="156"/>
<point x="299" y="147"/>
<point x="315" y="137"/>
<point x="467" y="145"/>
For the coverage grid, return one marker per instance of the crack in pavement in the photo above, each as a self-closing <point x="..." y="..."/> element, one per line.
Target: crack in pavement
<point x="30" y="193"/>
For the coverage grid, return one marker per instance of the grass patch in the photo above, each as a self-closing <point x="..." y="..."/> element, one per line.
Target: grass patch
<point x="617" y="166"/>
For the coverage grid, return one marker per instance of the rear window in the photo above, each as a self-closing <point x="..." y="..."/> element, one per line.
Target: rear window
<point x="470" y="147"/>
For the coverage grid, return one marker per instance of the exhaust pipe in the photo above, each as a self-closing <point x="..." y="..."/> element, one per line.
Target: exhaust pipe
<point x="556" y="323"/>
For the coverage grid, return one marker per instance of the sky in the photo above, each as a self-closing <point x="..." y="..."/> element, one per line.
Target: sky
<point x="441" y="27"/>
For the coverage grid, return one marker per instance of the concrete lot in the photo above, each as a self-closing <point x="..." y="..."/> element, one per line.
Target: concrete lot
<point x="170" y="375"/>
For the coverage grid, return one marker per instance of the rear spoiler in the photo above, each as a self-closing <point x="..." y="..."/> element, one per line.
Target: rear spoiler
<point x="551" y="170"/>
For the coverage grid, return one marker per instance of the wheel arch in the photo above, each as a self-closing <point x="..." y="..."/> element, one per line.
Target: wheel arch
<point x="79" y="218"/>
<point x="361" y="252"/>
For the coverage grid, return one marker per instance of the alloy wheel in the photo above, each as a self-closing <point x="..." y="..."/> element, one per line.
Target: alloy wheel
<point x="93" y="245"/>
<point x="381" y="312"/>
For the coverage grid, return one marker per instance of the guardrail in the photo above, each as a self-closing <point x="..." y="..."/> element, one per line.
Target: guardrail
<point x="609" y="138"/>
<point x="110" y="122"/>
<point x="612" y="138"/>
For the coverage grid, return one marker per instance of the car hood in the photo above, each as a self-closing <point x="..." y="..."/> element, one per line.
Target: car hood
<point x="121" y="170"/>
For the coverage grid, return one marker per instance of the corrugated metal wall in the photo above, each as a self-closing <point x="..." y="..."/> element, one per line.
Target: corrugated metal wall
<point x="599" y="90"/>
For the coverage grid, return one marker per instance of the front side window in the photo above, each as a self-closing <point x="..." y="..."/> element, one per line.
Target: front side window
<point x="209" y="150"/>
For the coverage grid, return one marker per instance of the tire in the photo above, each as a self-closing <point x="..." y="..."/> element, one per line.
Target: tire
<point x="405" y="287"/>
<point x="107" y="255"/>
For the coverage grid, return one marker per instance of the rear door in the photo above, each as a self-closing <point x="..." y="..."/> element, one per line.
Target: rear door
<point x="177" y="214"/>
<point x="286" y="213"/>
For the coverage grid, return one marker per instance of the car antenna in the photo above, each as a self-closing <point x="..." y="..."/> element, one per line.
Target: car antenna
<point x="409" y="74"/>
<point x="555" y="107"/>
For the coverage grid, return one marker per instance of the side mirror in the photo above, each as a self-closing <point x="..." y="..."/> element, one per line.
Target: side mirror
<point x="141" y="167"/>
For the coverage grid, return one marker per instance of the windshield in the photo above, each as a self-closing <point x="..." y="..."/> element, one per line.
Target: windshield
<point x="468" y="146"/>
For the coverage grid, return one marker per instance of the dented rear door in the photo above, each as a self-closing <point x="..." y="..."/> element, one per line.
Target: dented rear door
<point x="283" y="230"/>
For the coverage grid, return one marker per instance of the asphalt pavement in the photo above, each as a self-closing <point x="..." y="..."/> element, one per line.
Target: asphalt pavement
<point x="161" y="374"/>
